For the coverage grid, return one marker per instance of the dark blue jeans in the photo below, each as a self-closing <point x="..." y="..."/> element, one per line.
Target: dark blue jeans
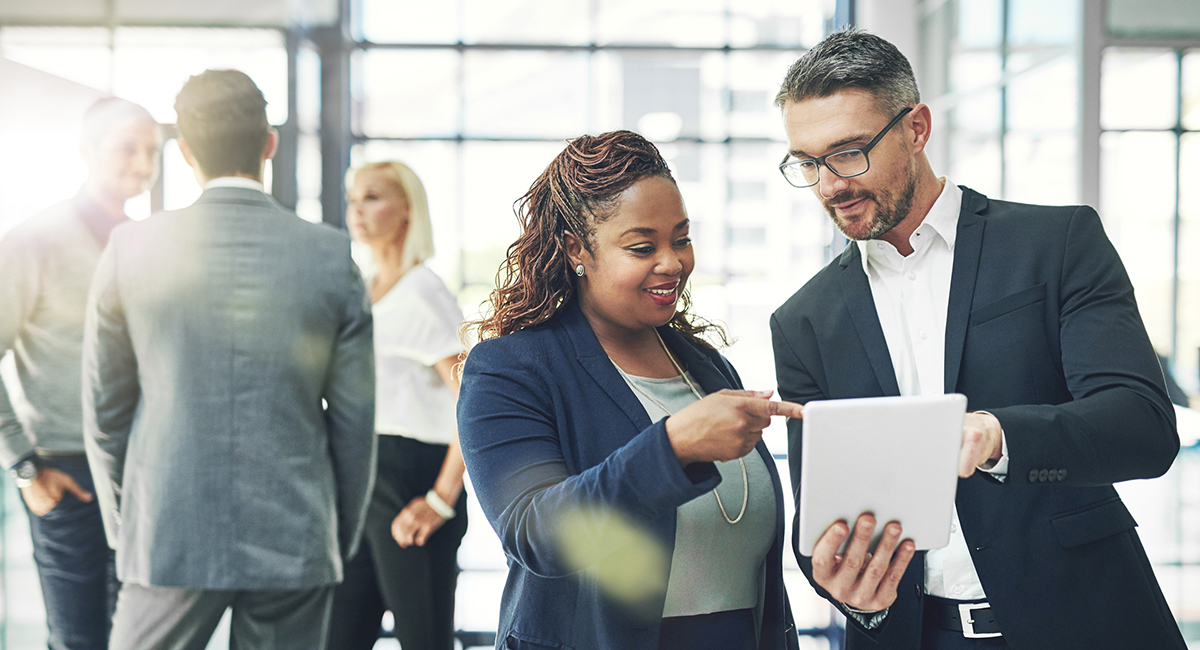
<point x="75" y="564"/>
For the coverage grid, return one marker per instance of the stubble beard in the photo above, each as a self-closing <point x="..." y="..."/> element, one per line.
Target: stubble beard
<point x="888" y="212"/>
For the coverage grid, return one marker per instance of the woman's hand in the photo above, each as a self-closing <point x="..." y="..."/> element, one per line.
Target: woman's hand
<point x="415" y="523"/>
<point x="724" y="425"/>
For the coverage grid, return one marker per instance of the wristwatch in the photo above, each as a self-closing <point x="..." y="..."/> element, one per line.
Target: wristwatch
<point x="25" y="472"/>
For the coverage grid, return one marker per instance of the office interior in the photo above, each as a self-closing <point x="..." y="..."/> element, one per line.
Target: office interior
<point x="1041" y="101"/>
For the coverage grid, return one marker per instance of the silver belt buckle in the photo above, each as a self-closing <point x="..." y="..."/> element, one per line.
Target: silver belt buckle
<point x="968" y="623"/>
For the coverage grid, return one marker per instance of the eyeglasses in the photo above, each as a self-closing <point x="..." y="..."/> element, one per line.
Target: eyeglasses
<point x="806" y="172"/>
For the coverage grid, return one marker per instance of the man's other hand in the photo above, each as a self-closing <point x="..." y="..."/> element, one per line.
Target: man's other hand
<point x="982" y="443"/>
<point x="865" y="581"/>
<point x="48" y="489"/>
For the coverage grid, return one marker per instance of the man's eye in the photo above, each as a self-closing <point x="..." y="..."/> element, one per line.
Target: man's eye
<point x="806" y="165"/>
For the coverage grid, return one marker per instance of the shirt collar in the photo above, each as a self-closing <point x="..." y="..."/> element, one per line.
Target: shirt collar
<point x="98" y="222"/>
<point x="941" y="220"/>
<point x="235" y="181"/>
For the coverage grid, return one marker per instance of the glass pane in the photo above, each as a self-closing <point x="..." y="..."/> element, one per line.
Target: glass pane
<point x="777" y="22"/>
<point x="400" y="93"/>
<point x="489" y="224"/>
<point x="1140" y="219"/>
<point x="664" y="22"/>
<point x="437" y="165"/>
<point x="980" y="23"/>
<point x="527" y="21"/>
<point x="1187" y="356"/>
<point x="308" y="178"/>
<point x="81" y="55"/>
<point x="1138" y="89"/>
<point x="1153" y="18"/>
<point x="525" y="94"/>
<point x="1046" y="23"/>
<point x="673" y="95"/>
<point x="151" y="64"/>
<point x="976" y="161"/>
<point x="407" y="21"/>
<point x="308" y="90"/>
<point x="754" y="79"/>
<point x="974" y="70"/>
<point x="1040" y="167"/>
<point x="1045" y="97"/>
<point x="1191" y="90"/>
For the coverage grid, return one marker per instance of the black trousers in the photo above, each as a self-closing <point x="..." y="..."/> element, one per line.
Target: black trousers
<point x="417" y="583"/>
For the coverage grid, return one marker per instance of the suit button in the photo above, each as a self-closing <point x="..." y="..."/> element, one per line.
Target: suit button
<point x="1033" y="476"/>
<point x="1043" y="475"/>
<point x="1062" y="474"/>
<point x="1052" y="476"/>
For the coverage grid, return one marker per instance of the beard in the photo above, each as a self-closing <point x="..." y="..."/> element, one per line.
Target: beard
<point x="890" y="209"/>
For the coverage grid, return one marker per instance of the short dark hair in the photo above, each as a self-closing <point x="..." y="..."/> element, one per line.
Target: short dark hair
<point x="106" y="112"/>
<point x="222" y="116"/>
<point x="852" y="58"/>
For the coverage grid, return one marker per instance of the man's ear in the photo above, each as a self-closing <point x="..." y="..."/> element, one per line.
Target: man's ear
<point x="272" y="145"/>
<point x="922" y="126"/>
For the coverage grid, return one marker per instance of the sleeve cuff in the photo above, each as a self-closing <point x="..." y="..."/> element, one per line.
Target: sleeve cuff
<point x="869" y="620"/>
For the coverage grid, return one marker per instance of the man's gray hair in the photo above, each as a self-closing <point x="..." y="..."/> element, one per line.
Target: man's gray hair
<point x="852" y="58"/>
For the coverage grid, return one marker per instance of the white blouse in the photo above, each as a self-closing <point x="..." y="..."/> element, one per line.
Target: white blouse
<point x="416" y="325"/>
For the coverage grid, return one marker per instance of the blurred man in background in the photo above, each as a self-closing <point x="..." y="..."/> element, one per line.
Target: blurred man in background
<point x="229" y="398"/>
<point x="46" y="266"/>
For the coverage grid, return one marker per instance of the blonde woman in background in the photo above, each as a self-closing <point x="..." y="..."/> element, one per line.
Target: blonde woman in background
<point x="417" y="518"/>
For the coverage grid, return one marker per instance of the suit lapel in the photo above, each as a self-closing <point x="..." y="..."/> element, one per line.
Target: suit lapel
<point x="967" y="244"/>
<point x="861" y="305"/>
<point x="595" y="361"/>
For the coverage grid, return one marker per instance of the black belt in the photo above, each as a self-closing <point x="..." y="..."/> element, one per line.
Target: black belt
<point x="973" y="619"/>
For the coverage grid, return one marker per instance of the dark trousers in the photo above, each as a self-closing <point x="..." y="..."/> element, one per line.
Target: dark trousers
<point x="168" y="618"/>
<point x="417" y="583"/>
<point x="75" y="565"/>
<point x="729" y="630"/>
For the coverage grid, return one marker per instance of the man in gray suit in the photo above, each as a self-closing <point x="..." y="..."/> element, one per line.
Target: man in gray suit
<point x="228" y="398"/>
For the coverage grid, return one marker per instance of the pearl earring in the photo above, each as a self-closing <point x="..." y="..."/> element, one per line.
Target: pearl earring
<point x="579" y="270"/>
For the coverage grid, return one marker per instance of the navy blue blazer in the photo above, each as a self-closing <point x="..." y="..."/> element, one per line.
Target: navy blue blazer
<point x="582" y="488"/>
<point x="1042" y="330"/>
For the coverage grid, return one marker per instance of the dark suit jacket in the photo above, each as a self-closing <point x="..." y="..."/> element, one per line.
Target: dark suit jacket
<point x="229" y="396"/>
<point x="583" y="489"/>
<point x="1042" y="331"/>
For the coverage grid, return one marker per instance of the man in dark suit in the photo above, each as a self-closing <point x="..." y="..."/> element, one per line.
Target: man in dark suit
<point x="229" y="398"/>
<point x="1027" y="311"/>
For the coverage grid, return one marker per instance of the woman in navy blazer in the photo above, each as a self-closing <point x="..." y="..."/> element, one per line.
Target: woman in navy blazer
<point x="582" y="487"/>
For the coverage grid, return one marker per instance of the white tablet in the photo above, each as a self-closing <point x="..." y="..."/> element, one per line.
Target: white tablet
<point x="896" y="457"/>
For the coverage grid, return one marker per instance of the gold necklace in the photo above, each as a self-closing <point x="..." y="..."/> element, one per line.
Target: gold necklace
<point x="742" y="461"/>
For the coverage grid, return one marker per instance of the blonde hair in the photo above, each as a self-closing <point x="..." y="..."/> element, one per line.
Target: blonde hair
<point x="418" y="243"/>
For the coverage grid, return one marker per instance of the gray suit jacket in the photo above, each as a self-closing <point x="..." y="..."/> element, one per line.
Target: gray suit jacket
<point x="229" y="397"/>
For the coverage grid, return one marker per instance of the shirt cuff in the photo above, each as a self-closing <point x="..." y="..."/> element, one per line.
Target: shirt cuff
<point x="1000" y="469"/>
<point x="869" y="620"/>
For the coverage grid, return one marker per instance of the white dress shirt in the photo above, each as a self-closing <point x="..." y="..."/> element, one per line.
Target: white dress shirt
<point x="911" y="294"/>
<point x="236" y="181"/>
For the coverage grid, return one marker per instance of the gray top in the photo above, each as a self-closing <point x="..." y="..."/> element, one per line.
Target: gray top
<point x="46" y="266"/>
<point x="715" y="566"/>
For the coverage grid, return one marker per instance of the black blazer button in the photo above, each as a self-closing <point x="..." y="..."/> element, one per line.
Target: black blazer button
<point x="1033" y="476"/>
<point x="1062" y="474"/>
<point x="1052" y="476"/>
<point x="1043" y="475"/>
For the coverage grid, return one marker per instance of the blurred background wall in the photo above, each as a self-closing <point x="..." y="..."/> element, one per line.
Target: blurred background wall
<point x="1049" y="101"/>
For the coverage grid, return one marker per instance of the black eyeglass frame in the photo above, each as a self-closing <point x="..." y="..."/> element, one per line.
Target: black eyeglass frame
<point x="865" y="149"/>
